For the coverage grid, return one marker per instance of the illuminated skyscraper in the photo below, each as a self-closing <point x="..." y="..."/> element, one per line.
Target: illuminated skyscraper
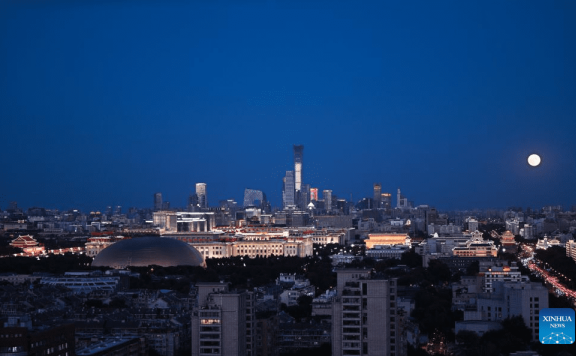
<point x="201" y="193"/>
<point x="386" y="201"/>
<point x="314" y="194"/>
<point x="288" y="192"/>
<point x="157" y="201"/>
<point x="298" y="156"/>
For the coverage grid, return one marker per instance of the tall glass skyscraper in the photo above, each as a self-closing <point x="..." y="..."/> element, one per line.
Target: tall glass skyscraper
<point x="201" y="193"/>
<point x="298" y="156"/>
<point x="288" y="193"/>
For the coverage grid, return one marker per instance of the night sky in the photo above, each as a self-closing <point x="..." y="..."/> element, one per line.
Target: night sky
<point x="106" y="102"/>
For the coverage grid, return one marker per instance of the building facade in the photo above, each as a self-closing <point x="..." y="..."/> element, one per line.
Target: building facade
<point x="288" y="191"/>
<point x="327" y="196"/>
<point x="364" y="315"/>
<point x="202" y="195"/>
<point x="223" y="321"/>
<point x="377" y="194"/>
<point x="298" y="158"/>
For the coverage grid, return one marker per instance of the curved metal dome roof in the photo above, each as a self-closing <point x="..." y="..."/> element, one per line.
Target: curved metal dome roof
<point x="149" y="250"/>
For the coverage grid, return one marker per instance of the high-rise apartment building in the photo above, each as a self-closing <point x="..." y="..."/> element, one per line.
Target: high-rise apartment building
<point x="327" y="196"/>
<point x="223" y="321"/>
<point x="157" y="201"/>
<point x="201" y="194"/>
<point x="377" y="194"/>
<point x="298" y="156"/>
<point x="571" y="249"/>
<point x="288" y="191"/>
<point x="364" y="315"/>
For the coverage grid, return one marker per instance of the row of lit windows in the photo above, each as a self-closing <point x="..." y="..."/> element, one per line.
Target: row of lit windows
<point x="209" y="321"/>
<point x="10" y="335"/>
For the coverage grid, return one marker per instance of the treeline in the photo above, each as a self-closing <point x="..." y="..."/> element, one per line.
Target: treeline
<point x="56" y="264"/>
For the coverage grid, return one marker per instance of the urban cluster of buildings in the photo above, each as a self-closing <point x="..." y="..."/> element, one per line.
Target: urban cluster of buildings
<point x="364" y="313"/>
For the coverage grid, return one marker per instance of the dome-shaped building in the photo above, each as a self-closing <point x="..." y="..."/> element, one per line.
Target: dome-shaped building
<point x="149" y="250"/>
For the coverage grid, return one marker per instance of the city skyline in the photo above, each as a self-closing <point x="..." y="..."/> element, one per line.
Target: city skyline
<point x="116" y="101"/>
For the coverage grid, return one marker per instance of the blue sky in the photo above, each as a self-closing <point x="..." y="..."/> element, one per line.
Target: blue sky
<point x="106" y="102"/>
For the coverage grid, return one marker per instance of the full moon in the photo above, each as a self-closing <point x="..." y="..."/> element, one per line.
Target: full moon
<point x="533" y="160"/>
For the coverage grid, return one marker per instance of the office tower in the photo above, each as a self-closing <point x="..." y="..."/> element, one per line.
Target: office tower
<point x="377" y="194"/>
<point x="327" y="196"/>
<point x="401" y="201"/>
<point x="223" y="321"/>
<point x="157" y="201"/>
<point x="288" y="192"/>
<point x="304" y="196"/>
<point x="386" y="200"/>
<point x="192" y="202"/>
<point x="201" y="193"/>
<point x="364" y="315"/>
<point x="298" y="156"/>
<point x="251" y="196"/>
<point x="313" y="194"/>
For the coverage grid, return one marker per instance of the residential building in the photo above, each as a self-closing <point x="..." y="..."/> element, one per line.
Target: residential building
<point x="223" y="321"/>
<point x="364" y="315"/>
<point x="571" y="249"/>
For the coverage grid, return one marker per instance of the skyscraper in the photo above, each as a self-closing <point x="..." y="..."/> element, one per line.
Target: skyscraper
<point x="288" y="192"/>
<point x="313" y="194"/>
<point x="298" y="156"/>
<point x="251" y="195"/>
<point x="304" y="196"/>
<point x="377" y="194"/>
<point x="327" y="196"/>
<point x="192" y="202"/>
<point x="201" y="193"/>
<point x="401" y="201"/>
<point x="157" y="201"/>
<point x="386" y="201"/>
